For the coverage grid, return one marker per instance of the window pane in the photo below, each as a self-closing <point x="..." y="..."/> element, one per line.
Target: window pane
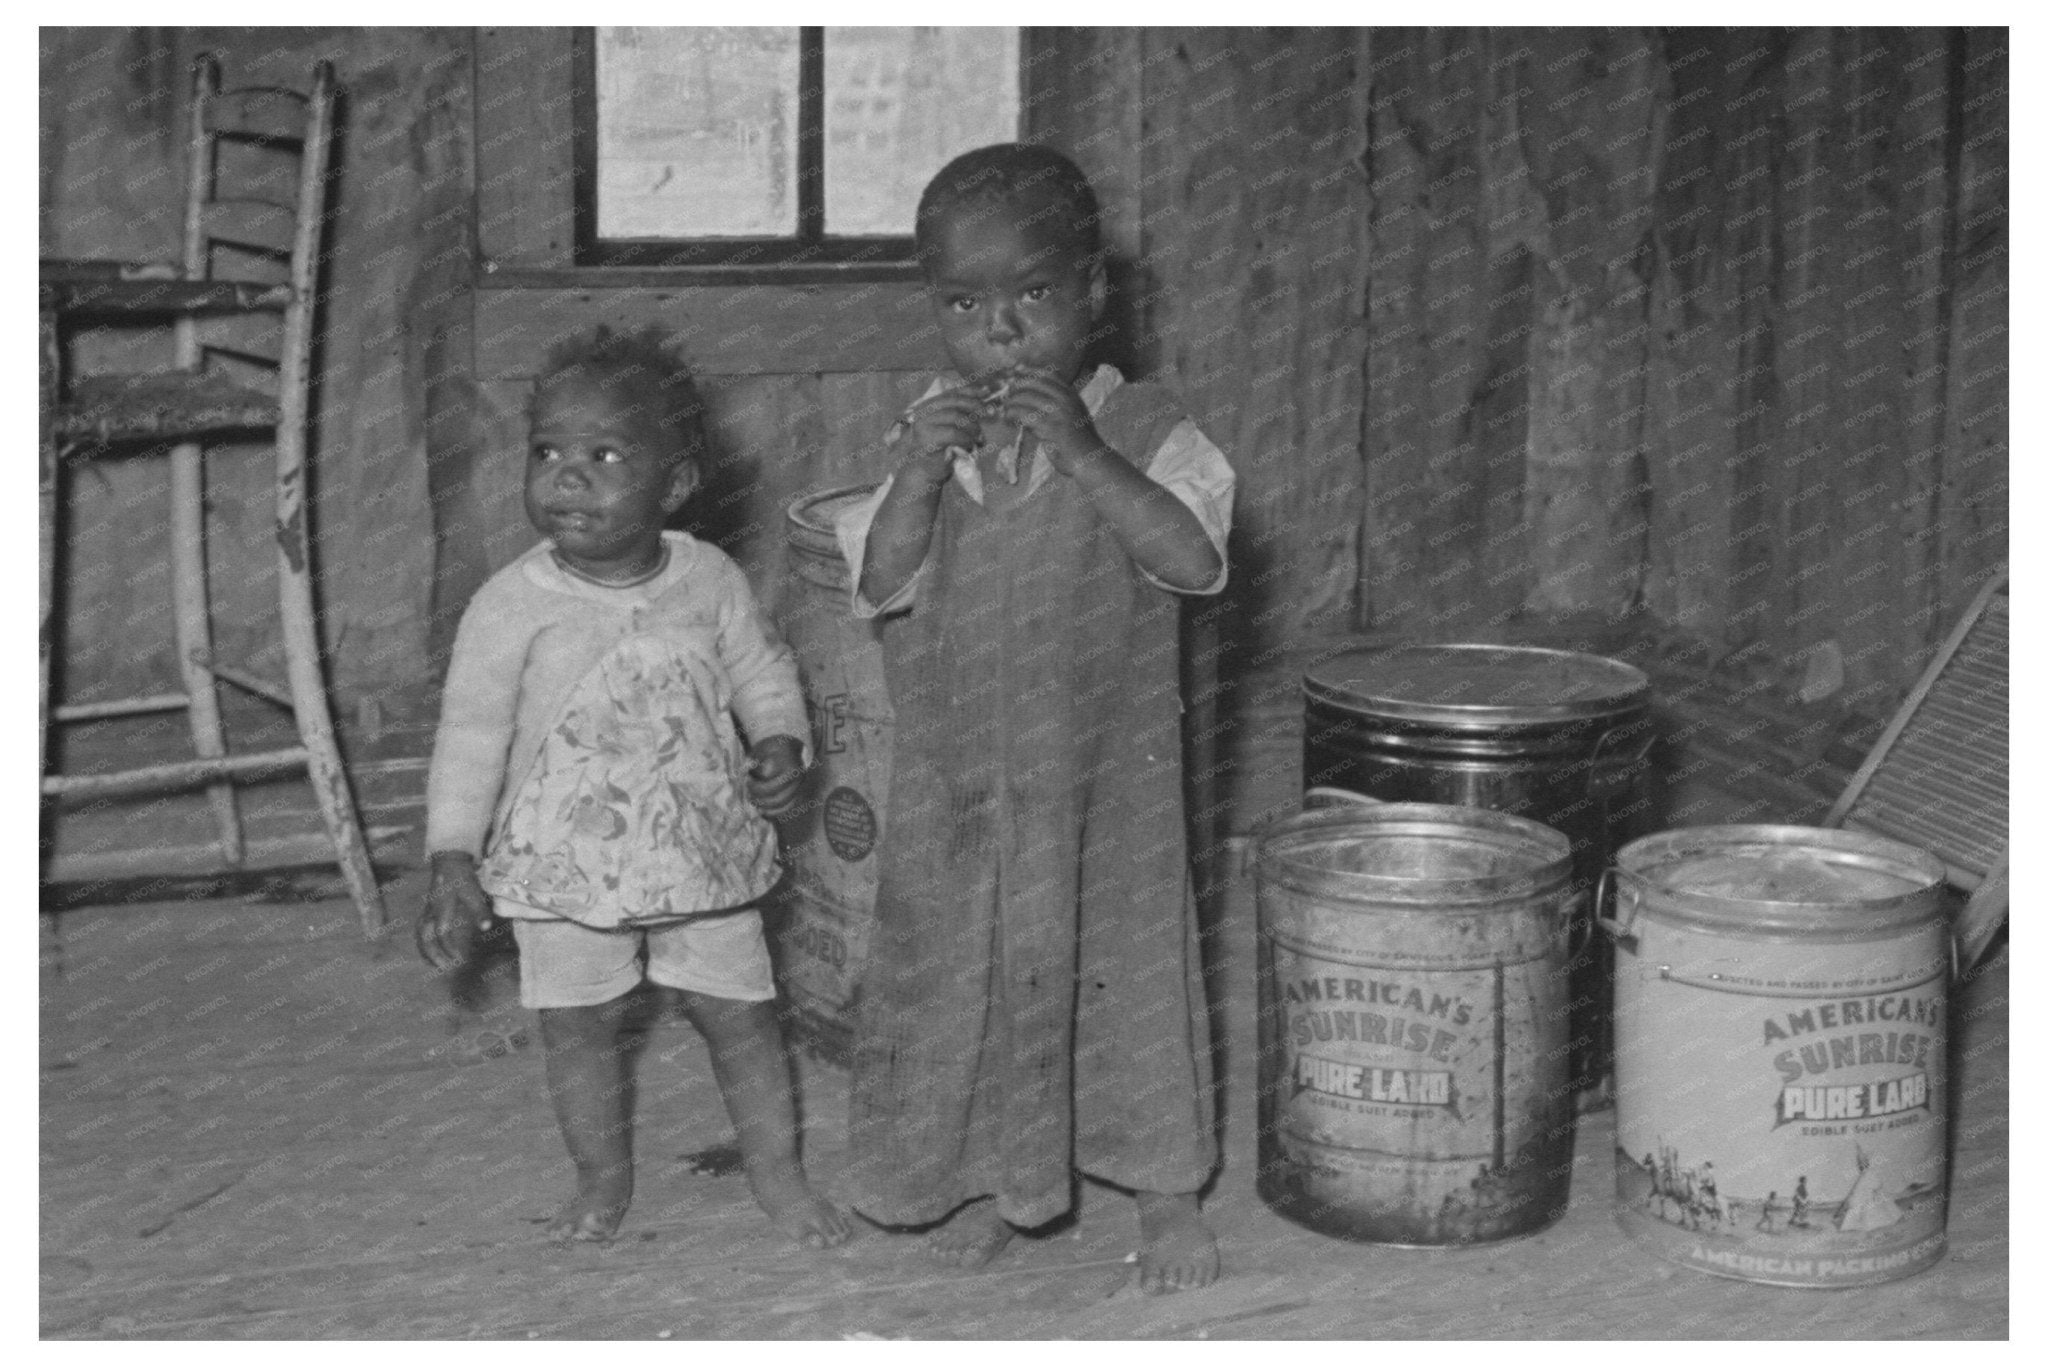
<point x="696" y="132"/>
<point x="899" y="104"/>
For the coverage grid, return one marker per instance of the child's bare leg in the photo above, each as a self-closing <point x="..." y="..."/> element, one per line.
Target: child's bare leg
<point x="753" y="1076"/>
<point x="586" y="1075"/>
<point x="971" y="1236"/>
<point x="1179" y="1252"/>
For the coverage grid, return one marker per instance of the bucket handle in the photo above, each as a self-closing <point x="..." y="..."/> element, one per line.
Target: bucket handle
<point x="1578" y="929"/>
<point x="1619" y="890"/>
<point x="1608" y="770"/>
<point x="1322" y="795"/>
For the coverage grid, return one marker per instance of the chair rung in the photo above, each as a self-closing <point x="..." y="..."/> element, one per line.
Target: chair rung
<point x="179" y="774"/>
<point x="121" y="707"/>
<point x="255" y="358"/>
<point x="252" y="683"/>
<point x="279" y="139"/>
<point x="249" y="245"/>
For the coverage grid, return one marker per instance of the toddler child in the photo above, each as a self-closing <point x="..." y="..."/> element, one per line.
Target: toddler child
<point x="587" y="754"/>
<point x="1033" y="1003"/>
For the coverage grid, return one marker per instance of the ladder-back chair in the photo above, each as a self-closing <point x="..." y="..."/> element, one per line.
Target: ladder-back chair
<point x="241" y="307"/>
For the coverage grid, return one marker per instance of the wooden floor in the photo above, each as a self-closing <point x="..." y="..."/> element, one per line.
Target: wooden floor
<point x="254" y="1125"/>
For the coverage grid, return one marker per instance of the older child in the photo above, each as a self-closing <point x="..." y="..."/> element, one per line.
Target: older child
<point x="587" y="751"/>
<point x="1033" y="1001"/>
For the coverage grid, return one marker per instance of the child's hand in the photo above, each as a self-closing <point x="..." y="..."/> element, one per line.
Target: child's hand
<point x="935" y="426"/>
<point x="1050" y="408"/>
<point x="457" y="911"/>
<point x="774" y="768"/>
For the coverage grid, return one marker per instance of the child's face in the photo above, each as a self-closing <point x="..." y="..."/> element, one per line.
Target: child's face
<point x="600" y="478"/>
<point x="1011" y="292"/>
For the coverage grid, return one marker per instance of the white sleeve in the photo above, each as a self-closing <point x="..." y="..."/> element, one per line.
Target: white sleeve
<point x="767" y="695"/>
<point x="852" y="528"/>
<point x="1188" y="466"/>
<point x="479" y="712"/>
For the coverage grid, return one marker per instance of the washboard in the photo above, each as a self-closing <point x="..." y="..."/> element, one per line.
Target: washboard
<point x="1937" y="777"/>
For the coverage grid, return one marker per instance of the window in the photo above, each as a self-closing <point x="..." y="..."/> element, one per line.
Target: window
<point x="776" y="146"/>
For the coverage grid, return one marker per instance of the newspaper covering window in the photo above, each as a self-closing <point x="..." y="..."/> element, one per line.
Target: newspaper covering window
<point x="698" y="128"/>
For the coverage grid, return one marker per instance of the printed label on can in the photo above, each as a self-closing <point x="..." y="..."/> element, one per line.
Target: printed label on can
<point x="849" y="824"/>
<point x="1423" y="1103"/>
<point x="1781" y="1105"/>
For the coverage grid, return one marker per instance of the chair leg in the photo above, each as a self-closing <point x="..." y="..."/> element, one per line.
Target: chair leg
<point x="192" y="627"/>
<point x="309" y="692"/>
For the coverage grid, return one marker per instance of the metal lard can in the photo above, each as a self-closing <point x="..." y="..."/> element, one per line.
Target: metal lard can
<point x="1412" y="1013"/>
<point x="1781" y="1030"/>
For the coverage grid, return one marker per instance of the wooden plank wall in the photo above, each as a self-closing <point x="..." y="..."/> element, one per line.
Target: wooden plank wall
<point x="392" y="335"/>
<point x="1826" y="436"/>
<point x="1703" y="326"/>
<point x="1227" y="160"/>
<point x="1234" y="197"/>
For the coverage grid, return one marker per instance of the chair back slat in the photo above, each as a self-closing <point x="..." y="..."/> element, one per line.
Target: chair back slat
<point x="252" y="338"/>
<point x="258" y="115"/>
<point x="253" y="224"/>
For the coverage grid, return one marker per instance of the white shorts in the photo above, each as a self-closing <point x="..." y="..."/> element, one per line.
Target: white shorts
<point x="563" y="964"/>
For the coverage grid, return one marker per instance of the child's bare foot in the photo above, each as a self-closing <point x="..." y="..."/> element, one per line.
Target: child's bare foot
<point x="796" y="1210"/>
<point x="592" y="1215"/>
<point x="971" y="1238"/>
<point x="1179" y="1252"/>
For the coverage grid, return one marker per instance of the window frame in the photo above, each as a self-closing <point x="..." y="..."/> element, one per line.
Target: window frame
<point x="808" y="254"/>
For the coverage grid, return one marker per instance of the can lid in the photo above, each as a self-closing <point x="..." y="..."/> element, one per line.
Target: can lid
<point x="814" y="518"/>
<point x="1477" y="685"/>
<point x="1434" y="855"/>
<point x="1791" y="880"/>
<point x="819" y="512"/>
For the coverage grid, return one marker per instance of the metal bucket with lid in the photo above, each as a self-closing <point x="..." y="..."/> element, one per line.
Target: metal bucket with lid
<point x="1557" y="736"/>
<point x="1781" y="1026"/>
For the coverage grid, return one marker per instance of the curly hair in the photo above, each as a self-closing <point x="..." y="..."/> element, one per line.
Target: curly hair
<point x="645" y="370"/>
<point x="1013" y="173"/>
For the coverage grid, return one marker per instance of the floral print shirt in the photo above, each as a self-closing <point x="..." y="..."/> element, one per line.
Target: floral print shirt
<point x="588" y="745"/>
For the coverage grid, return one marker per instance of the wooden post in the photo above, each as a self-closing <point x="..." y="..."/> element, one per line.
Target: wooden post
<point x="191" y="614"/>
